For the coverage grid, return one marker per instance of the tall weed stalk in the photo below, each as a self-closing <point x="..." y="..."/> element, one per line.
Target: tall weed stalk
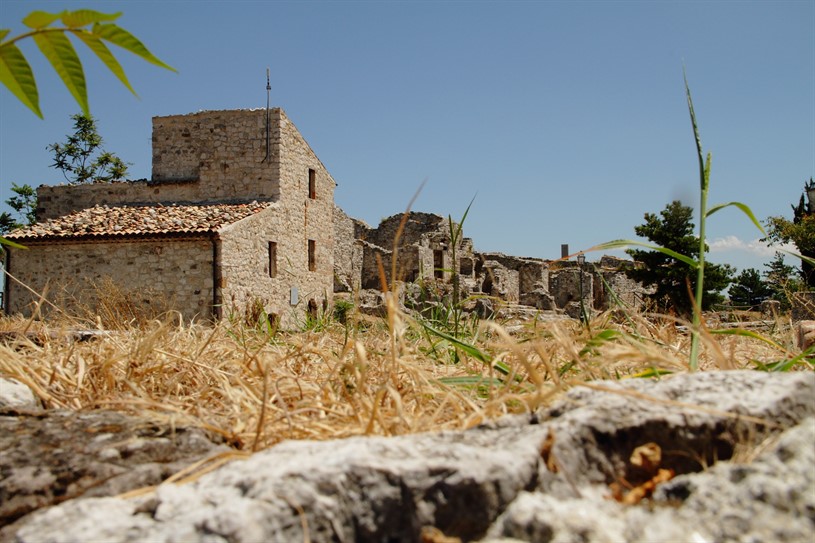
<point x="698" y="264"/>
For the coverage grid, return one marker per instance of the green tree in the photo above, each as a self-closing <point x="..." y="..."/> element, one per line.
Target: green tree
<point x="800" y="231"/>
<point x="782" y="280"/>
<point x="24" y="203"/>
<point x="92" y="28"/>
<point x="749" y="289"/>
<point x="673" y="229"/>
<point x="75" y="158"/>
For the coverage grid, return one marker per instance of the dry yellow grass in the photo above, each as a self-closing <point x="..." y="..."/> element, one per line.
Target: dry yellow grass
<point x="375" y="376"/>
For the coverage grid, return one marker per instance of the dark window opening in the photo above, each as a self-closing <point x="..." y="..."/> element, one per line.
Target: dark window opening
<point x="466" y="267"/>
<point x="272" y="259"/>
<point x="312" y="308"/>
<point x="312" y="184"/>
<point x="438" y="264"/>
<point x="486" y="287"/>
<point x="312" y="255"/>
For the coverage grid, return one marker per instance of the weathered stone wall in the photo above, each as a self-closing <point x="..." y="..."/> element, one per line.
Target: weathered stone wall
<point x="347" y="253"/>
<point x="565" y="285"/>
<point x="224" y="150"/>
<point x="244" y="273"/>
<point x="370" y="267"/>
<point x="57" y="201"/>
<point x="300" y="218"/>
<point x="416" y="230"/>
<point x="619" y="287"/>
<point x="500" y="281"/>
<point x="425" y="249"/>
<point x="159" y="273"/>
<point x="210" y="156"/>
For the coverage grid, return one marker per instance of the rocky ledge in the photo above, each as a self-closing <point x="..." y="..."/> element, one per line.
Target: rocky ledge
<point x="705" y="457"/>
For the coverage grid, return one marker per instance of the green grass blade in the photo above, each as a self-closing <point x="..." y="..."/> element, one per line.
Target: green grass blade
<point x="600" y="338"/>
<point x="98" y="46"/>
<point x="695" y="132"/>
<point x="748" y="334"/>
<point x="124" y="39"/>
<point x="471" y="350"/>
<point x="61" y="54"/>
<point x="84" y="17"/>
<point x="16" y="75"/>
<point x="745" y="209"/>
<point x="622" y="243"/>
<point x="647" y="374"/>
<point x="811" y="261"/>
<point x="40" y="19"/>
<point x="9" y="243"/>
<point x="471" y="381"/>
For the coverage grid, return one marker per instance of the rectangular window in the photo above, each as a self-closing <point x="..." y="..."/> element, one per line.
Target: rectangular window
<point x="272" y="259"/>
<point x="312" y="184"/>
<point x="312" y="255"/>
<point x="438" y="264"/>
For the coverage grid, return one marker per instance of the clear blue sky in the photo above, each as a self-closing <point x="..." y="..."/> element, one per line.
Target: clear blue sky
<point x="566" y="120"/>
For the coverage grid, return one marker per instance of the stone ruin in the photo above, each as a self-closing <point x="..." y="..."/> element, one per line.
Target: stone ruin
<point x="427" y="256"/>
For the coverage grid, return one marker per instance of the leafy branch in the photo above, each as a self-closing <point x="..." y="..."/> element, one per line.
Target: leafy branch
<point x="90" y="27"/>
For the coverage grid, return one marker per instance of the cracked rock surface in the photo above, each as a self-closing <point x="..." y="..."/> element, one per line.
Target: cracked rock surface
<point x="49" y="457"/>
<point x="740" y="444"/>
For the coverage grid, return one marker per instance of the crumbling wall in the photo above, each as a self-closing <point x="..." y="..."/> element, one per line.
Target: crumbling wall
<point x="500" y="281"/>
<point x="347" y="253"/>
<point x="424" y="251"/>
<point x="566" y="287"/>
<point x="160" y="273"/>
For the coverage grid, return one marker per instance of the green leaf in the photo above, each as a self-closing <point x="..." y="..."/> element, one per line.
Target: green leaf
<point x="97" y="46"/>
<point x="602" y="337"/>
<point x="811" y="261"/>
<point x="40" y="19"/>
<point x="647" y="374"/>
<point x="471" y="350"/>
<point x="622" y="243"/>
<point x="60" y="53"/>
<point x="748" y="334"/>
<point x="83" y="17"/>
<point x="126" y="40"/>
<point x="9" y="243"/>
<point x="4" y="32"/>
<point x="471" y="381"/>
<point x="16" y="75"/>
<point x="745" y="209"/>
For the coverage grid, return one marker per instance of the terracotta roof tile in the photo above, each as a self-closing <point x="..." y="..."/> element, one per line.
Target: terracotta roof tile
<point x="104" y="221"/>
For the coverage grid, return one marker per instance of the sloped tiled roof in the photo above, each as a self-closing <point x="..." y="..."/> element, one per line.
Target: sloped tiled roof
<point x="127" y="221"/>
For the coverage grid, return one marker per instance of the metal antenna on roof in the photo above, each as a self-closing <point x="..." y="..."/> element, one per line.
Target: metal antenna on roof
<point x="268" y="90"/>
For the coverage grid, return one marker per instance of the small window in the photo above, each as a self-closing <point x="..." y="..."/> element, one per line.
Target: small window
<point x="312" y="184"/>
<point x="272" y="259"/>
<point x="438" y="264"/>
<point x="312" y="255"/>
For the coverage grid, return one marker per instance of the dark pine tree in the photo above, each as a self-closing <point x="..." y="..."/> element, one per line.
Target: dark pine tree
<point x="674" y="281"/>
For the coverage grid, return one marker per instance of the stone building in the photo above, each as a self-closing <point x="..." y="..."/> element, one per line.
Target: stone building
<point x="238" y="220"/>
<point x="238" y="217"/>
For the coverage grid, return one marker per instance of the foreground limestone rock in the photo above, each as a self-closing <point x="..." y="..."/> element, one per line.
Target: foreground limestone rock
<point x="16" y="395"/>
<point x="543" y="477"/>
<point x="48" y="457"/>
